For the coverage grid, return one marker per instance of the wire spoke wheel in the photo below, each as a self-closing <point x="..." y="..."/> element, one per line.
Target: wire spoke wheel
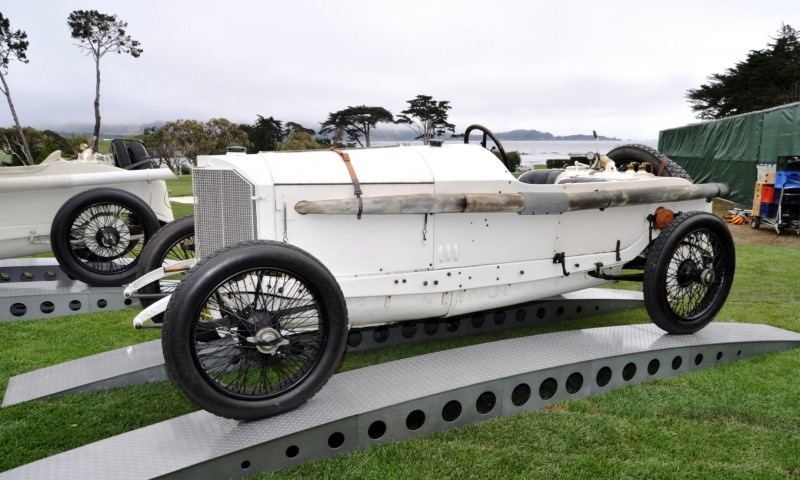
<point x="689" y="272"/>
<point x="695" y="272"/>
<point x="98" y="235"/>
<point x="173" y="243"/>
<point x="182" y="249"/>
<point x="259" y="333"/>
<point x="106" y="238"/>
<point x="254" y="329"/>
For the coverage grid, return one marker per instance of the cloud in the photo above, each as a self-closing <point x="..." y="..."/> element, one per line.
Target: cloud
<point x="619" y="67"/>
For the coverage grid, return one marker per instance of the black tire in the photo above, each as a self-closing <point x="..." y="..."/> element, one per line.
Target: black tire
<point x="98" y="235"/>
<point x="681" y="296"/>
<point x="174" y="241"/>
<point x="755" y="222"/>
<point x="211" y="380"/>
<point x="625" y="154"/>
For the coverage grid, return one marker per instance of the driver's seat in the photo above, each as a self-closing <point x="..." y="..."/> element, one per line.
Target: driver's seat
<point x="541" y="177"/>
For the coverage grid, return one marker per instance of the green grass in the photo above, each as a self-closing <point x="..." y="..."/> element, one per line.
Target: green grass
<point x="740" y="420"/>
<point x="180" y="210"/>
<point x="180" y="187"/>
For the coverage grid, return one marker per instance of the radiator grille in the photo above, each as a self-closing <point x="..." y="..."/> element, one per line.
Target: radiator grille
<point x="223" y="209"/>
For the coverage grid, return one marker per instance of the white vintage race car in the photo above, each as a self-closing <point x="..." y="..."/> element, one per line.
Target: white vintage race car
<point x="95" y="214"/>
<point x="296" y="248"/>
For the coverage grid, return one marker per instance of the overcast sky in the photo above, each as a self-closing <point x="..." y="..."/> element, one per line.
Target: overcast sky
<point x="620" y="67"/>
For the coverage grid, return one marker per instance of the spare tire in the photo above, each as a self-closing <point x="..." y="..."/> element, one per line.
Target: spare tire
<point x="662" y="164"/>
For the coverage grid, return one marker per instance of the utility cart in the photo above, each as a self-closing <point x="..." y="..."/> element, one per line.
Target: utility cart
<point x="777" y="196"/>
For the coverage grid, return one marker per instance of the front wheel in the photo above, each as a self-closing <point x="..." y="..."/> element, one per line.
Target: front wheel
<point x="689" y="272"/>
<point x="174" y="242"/>
<point x="97" y="236"/>
<point x="254" y="330"/>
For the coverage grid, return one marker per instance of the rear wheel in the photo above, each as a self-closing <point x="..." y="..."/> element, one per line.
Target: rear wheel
<point x="98" y="235"/>
<point x="174" y="242"/>
<point x="689" y="272"/>
<point x="254" y="330"/>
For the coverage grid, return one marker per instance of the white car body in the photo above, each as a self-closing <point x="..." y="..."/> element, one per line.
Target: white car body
<point x="405" y="266"/>
<point x="31" y="196"/>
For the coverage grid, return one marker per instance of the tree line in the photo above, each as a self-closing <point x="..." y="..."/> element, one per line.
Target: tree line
<point x="349" y="127"/>
<point x="98" y="34"/>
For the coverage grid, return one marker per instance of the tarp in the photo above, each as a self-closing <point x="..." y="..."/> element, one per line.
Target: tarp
<point x="728" y="150"/>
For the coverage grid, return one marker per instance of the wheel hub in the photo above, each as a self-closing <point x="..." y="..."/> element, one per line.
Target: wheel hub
<point x="108" y="237"/>
<point x="707" y="277"/>
<point x="687" y="273"/>
<point x="268" y="341"/>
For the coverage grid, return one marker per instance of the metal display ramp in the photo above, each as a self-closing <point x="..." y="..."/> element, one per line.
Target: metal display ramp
<point x="30" y="270"/>
<point x="144" y="362"/>
<point x="411" y="397"/>
<point x="34" y="288"/>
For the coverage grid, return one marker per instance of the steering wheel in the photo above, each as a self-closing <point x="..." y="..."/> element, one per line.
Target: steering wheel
<point x="487" y="133"/>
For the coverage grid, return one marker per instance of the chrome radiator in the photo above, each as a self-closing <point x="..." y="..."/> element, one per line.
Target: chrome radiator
<point x="223" y="209"/>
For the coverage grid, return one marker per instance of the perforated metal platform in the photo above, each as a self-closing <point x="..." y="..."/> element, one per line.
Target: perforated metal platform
<point x="30" y="270"/>
<point x="144" y="362"/>
<point x="408" y="398"/>
<point x="47" y="299"/>
<point x="33" y="288"/>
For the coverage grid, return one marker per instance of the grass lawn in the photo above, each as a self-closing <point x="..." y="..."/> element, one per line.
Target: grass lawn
<point x="181" y="187"/>
<point x="740" y="420"/>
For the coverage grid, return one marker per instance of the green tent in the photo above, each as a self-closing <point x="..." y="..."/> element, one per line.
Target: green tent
<point x="728" y="150"/>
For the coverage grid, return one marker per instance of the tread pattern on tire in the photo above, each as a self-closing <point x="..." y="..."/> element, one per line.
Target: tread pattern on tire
<point x="651" y="269"/>
<point x="172" y="369"/>
<point x="671" y="168"/>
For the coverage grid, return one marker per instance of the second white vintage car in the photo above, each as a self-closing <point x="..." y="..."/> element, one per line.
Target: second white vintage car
<point x="295" y="249"/>
<point x="94" y="213"/>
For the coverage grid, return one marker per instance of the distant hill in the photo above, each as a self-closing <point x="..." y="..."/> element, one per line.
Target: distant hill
<point x="394" y="133"/>
<point x="387" y="133"/>
<point x="539" y="135"/>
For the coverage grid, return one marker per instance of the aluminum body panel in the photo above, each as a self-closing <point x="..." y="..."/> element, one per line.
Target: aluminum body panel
<point x="416" y="266"/>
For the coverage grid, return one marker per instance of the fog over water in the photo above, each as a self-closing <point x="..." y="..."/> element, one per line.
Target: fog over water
<point x="538" y="151"/>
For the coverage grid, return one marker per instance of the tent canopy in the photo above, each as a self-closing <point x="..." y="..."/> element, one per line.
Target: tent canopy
<point x="729" y="149"/>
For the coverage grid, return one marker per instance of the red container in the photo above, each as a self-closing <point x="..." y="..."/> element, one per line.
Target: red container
<point x="768" y="194"/>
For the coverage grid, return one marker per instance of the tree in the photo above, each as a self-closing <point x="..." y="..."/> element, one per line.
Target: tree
<point x="300" y="141"/>
<point x="767" y="78"/>
<point x="13" y="45"/>
<point x="173" y="141"/>
<point x="293" y="127"/>
<point x="513" y="158"/>
<point x="264" y="135"/>
<point x="222" y="134"/>
<point x="162" y="145"/>
<point x="356" y="122"/>
<point x="41" y="144"/>
<point x="98" y="34"/>
<point x="427" y="117"/>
